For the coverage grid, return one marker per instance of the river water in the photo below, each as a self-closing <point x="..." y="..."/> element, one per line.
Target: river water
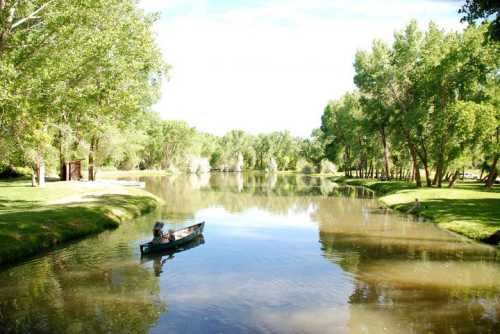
<point x="280" y="254"/>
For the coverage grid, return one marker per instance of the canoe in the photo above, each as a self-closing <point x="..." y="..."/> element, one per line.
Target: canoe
<point x="182" y="237"/>
<point x="170" y="253"/>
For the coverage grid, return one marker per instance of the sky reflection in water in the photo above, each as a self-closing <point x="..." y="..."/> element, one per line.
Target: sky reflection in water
<point x="280" y="254"/>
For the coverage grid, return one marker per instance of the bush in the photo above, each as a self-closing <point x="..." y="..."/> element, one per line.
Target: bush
<point x="327" y="167"/>
<point x="11" y="172"/>
<point x="304" y="166"/>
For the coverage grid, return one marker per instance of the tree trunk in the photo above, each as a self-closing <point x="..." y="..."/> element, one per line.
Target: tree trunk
<point x="41" y="171"/>
<point x="493" y="172"/>
<point x="33" y="179"/>
<point x="386" y="151"/>
<point x="62" y="160"/>
<point x="442" y="175"/>
<point x="454" y="178"/>
<point x="93" y="149"/>
<point x="434" y="181"/>
<point x="347" y="164"/>
<point x="418" y="180"/>
<point x="427" y="174"/>
<point x="447" y="177"/>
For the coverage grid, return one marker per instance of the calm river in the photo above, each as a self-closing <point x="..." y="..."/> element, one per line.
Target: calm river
<point x="280" y="254"/>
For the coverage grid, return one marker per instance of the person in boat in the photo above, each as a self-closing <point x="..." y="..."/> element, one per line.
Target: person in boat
<point x="158" y="235"/>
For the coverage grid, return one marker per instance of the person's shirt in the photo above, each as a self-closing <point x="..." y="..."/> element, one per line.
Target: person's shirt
<point x="158" y="238"/>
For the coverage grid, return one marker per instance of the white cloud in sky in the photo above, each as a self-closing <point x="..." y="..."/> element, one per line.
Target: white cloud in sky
<point x="272" y="65"/>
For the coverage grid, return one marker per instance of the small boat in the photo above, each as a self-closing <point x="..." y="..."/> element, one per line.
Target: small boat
<point x="182" y="237"/>
<point x="169" y="253"/>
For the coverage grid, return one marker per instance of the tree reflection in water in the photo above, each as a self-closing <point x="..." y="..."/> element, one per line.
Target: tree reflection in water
<point x="94" y="286"/>
<point x="159" y="259"/>
<point x="263" y="269"/>
<point x="418" y="284"/>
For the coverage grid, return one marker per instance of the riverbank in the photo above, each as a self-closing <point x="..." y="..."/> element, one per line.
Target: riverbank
<point x="116" y="174"/>
<point x="468" y="209"/>
<point x="33" y="220"/>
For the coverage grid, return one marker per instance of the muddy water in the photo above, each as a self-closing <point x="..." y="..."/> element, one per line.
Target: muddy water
<point x="287" y="254"/>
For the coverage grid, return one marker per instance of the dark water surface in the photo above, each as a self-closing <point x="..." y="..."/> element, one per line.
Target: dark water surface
<point x="280" y="254"/>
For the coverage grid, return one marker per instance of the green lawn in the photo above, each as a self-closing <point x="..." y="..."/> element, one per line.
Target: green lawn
<point x="36" y="219"/>
<point x="468" y="209"/>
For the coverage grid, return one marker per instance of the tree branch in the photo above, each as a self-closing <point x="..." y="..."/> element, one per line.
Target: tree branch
<point x="31" y="16"/>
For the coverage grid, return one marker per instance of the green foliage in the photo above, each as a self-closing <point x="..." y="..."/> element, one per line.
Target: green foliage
<point x="70" y="72"/>
<point x="429" y="100"/>
<point x="305" y="167"/>
<point x="485" y="11"/>
<point x="12" y="172"/>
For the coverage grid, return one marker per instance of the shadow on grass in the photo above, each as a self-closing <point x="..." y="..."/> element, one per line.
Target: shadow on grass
<point x="475" y="218"/>
<point x="25" y="233"/>
<point x="477" y="186"/>
<point x="382" y="187"/>
<point x="14" y="184"/>
<point x="23" y="182"/>
<point x="485" y="210"/>
<point x="388" y="187"/>
<point x="9" y="205"/>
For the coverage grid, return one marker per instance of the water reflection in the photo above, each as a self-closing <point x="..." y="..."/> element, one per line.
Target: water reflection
<point x="90" y="287"/>
<point x="159" y="259"/>
<point x="285" y="254"/>
<point x="236" y="192"/>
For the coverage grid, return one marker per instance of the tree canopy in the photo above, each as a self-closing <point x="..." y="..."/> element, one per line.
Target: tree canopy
<point x="423" y="102"/>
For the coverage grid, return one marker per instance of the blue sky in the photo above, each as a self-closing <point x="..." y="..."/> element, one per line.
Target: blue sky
<point x="272" y="65"/>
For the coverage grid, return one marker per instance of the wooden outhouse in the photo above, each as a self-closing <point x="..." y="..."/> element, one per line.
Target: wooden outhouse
<point x="72" y="170"/>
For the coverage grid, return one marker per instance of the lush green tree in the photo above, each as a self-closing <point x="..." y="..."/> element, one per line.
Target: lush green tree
<point x="340" y="124"/>
<point x="460" y="76"/>
<point x="484" y="11"/>
<point x="87" y="65"/>
<point x="280" y="146"/>
<point x="313" y="149"/>
<point x="373" y="74"/>
<point x="177" y="140"/>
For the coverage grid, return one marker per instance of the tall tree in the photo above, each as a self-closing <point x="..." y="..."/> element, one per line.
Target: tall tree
<point x="484" y="11"/>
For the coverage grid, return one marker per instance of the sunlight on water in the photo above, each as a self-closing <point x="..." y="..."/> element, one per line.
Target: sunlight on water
<point x="280" y="254"/>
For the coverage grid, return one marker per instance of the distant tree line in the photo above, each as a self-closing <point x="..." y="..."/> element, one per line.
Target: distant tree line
<point x="153" y="143"/>
<point x="430" y="101"/>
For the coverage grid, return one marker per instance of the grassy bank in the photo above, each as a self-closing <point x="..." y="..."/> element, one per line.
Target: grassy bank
<point x="468" y="209"/>
<point x="35" y="219"/>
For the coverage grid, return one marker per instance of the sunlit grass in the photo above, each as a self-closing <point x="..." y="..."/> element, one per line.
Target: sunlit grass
<point x="469" y="208"/>
<point x="29" y="223"/>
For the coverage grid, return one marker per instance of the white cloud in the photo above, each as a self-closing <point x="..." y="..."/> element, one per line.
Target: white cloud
<point x="273" y="66"/>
